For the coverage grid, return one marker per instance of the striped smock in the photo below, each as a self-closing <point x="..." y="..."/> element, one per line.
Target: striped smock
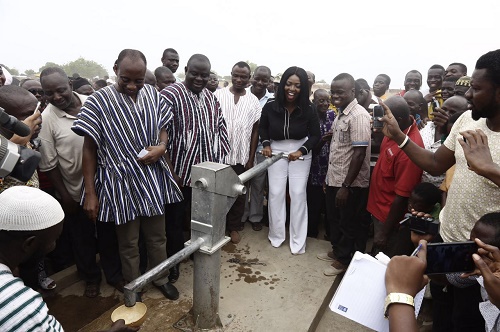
<point x="198" y="132"/>
<point x="21" y="308"/>
<point x="121" y="128"/>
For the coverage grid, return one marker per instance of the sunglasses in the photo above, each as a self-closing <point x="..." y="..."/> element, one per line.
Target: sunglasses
<point x="37" y="92"/>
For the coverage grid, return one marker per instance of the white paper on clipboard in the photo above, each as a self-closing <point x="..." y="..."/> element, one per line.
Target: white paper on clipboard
<point x="361" y="293"/>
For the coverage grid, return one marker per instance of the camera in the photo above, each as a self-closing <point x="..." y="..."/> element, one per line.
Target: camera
<point x="16" y="161"/>
<point x="421" y="225"/>
<point x="378" y="112"/>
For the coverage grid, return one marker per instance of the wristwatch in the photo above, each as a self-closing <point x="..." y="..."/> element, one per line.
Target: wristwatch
<point x="397" y="298"/>
<point x="345" y="185"/>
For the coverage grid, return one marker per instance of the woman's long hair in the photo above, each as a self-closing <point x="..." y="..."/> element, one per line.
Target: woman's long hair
<point x="303" y="99"/>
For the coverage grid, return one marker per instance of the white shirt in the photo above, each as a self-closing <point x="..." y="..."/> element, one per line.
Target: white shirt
<point x="240" y="118"/>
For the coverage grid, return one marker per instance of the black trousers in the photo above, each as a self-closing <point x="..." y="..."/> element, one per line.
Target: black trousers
<point x="349" y="224"/>
<point x="175" y="215"/>
<point x="235" y="213"/>
<point x="456" y="309"/>
<point x="78" y="242"/>
<point x="316" y="204"/>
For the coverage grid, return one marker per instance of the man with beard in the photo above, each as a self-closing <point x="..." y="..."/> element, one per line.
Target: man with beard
<point x="241" y="111"/>
<point x="473" y="145"/>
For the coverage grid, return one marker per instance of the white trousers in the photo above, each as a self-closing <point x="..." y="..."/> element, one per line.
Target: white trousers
<point x="297" y="173"/>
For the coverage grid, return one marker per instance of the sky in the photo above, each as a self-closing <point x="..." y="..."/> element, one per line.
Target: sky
<point x="363" y="38"/>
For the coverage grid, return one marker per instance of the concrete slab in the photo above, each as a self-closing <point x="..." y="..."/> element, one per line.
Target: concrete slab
<point x="262" y="289"/>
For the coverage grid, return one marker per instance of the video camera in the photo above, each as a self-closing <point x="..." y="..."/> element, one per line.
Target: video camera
<point x="16" y="161"/>
<point x="421" y="225"/>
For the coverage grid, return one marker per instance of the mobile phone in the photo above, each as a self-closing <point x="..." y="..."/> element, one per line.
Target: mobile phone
<point x="435" y="104"/>
<point x="37" y="107"/>
<point x="450" y="257"/>
<point x="378" y="112"/>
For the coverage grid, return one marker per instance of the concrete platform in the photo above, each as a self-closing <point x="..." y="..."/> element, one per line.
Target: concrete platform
<point x="262" y="289"/>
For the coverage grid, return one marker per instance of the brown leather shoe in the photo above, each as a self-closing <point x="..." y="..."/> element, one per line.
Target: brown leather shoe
<point x="235" y="237"/>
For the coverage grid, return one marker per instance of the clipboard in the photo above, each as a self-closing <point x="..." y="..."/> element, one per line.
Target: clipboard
<point x="361" y="294"/>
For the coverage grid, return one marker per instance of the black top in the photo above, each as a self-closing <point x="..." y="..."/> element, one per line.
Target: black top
<point x="277" y="124"/>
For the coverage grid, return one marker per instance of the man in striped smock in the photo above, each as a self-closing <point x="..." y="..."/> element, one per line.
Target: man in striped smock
<point x="241" y="110"/>
<point x="198" y="133"/>
<point x="126" y="177"/>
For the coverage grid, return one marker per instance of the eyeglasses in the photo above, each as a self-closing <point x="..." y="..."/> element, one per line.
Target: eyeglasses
<point x="36" y="92"/>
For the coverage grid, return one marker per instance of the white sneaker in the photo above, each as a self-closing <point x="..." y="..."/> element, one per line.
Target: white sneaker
<point x="325" y="256"/>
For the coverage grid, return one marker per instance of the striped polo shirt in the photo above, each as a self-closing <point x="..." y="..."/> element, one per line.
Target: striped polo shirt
<point x="21" y="308"/>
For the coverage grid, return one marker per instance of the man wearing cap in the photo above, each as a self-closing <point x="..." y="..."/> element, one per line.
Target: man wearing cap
<point x="30" y="223"/>
<point x="461" y="86"/>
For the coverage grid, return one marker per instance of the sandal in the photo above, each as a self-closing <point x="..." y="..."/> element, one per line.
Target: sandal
<point x="92" y="289"/>
<point x="46" y="282"/>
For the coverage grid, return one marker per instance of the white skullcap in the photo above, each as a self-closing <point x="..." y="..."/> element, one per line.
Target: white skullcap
<point x="25" y="208"/>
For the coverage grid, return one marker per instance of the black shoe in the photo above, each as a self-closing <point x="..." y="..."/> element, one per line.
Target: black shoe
<point x="169" y="291"/>
<point x="174" y="274"/>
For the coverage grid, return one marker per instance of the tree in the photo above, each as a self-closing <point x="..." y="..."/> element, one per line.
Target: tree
<point x="14" y="72"/>
<point x="252" y="66"/>
<point x="85" y="68"/>
<point x="29" y="72"/>
<point x="47" y="65"/>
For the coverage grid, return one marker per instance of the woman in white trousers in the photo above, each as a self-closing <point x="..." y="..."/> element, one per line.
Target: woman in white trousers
<point x="289" y="124"/>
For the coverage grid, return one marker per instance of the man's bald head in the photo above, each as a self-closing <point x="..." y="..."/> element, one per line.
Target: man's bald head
<point x="455" y="104"/>
<point x="400" y="110"/>
<point x="17" y="101"/>
<point x="198" y="58"/>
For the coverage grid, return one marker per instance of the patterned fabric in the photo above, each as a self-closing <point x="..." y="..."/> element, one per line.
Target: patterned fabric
<point x="351" y="129"/>
<point x="240" y="119"/>
<point x="198" y="131"/>
<point x="21" y="308"/>
<point x="470" y="196"/>
<point x="489" y="311"/>
<point x="319" y="166"/>
<point x="121" y="128"/>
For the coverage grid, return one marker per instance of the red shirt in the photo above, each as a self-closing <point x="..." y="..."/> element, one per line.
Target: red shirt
<point x="394" y="174"/>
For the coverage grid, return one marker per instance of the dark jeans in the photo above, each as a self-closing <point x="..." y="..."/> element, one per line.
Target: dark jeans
<point x="457" y="309"/>
<point x="174" y="220"/>
<point x="78" y="241"/>
<point x="107" y="244"/>
<point x="316" y="204"/>
<point x="233" y="217"/>
<point x="349" y="224"/>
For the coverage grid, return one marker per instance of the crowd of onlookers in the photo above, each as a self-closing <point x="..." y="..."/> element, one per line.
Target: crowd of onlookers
<point x="117" y="155"/>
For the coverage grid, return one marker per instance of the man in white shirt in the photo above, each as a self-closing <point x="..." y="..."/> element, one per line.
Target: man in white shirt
<point x="241" y="111"/>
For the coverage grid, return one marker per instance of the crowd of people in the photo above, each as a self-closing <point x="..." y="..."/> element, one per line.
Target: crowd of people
<point x="117" y="156"/>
